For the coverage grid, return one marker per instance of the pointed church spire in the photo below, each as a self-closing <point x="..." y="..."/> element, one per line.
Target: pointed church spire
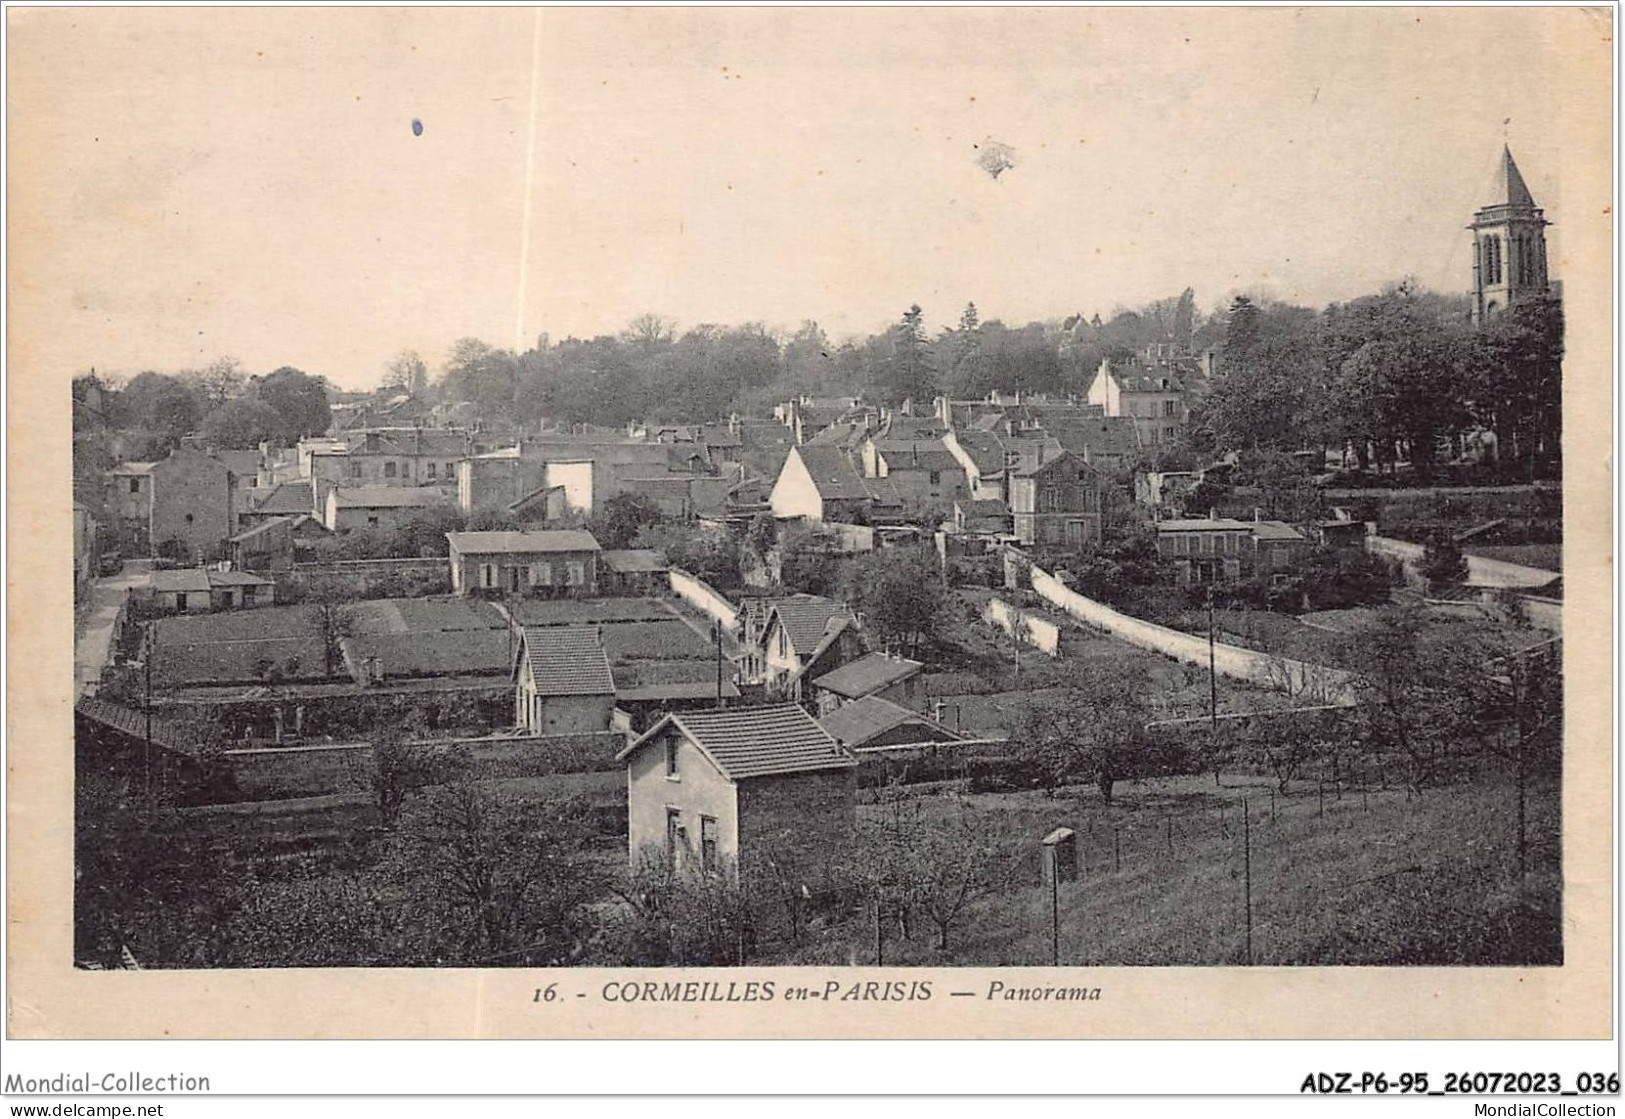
<point x="1512" y="190"/>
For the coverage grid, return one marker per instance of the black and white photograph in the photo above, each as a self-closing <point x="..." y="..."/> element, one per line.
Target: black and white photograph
<point x="1073" y="489"/>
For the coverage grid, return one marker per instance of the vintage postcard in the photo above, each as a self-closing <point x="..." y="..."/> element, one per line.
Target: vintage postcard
<point x="810" y="523"/>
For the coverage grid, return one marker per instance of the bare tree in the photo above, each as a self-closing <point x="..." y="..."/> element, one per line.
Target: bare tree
<point x="510" y="878"/>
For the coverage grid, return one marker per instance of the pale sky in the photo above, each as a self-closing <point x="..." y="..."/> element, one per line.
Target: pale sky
<point x="187" y="184"/>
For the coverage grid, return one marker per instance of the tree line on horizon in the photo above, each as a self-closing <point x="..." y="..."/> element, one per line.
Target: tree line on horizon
<point x="1388" y="374"/>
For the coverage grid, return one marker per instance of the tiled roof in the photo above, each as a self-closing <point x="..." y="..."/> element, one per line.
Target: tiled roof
<point x="833" y="473"/>
<point x="867" y="675"/>
<point x="266" y="526"/>
<point x="289" y="497"/>
<point x="238" y="579"/>
<point x="853" y="724"/>
<point x="133" y="724"/>
<point x="904" y="427"/>
<point x="985" y="507"/>
<point x="391" y="497"/>
<point x="719" y="435"/>
<point x="438" y="443"/>
<point x="746" y="742"/>
<point x="1110" y="435"/>
<point x="170" y="582"/>
<point x="567" y="660"/>
<point x="540" y="540"/>
<point x="806" y="618"/>
<point x="1275" y="530"/>
<point x="1205" y="524"/>
<point x="909" y="454"/>
<point x="241" y="463"/>
<point x="840" y="434"/>
<point x="634" y="561"/>
<point x="695" y="689"/>
<point x="1064" y="458"/>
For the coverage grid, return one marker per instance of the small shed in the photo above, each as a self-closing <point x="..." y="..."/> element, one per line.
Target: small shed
<point x="562" y="681"/>
<point x="632" y="571"/>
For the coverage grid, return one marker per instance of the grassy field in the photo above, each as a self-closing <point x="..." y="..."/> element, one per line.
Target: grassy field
<point x="972" y="669"/>
<point x="1370" y="877"/>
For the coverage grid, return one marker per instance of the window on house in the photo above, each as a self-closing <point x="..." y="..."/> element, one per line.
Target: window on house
<point x="389" y="470"/>
<point x="708" y="844"/>
<point x="488" y="575"/>
<point x="188" y="518"/>
<point x="784" y="643"/>
<point x="575" y="573"/>
<point x="431" y="470"/>
<point x="936" y="477"/>
<point x="372" y="522"/>
<point x="674" y="830"/>
<point x="135" y="485"/>
<point x="671" y="756"/>
<point x="248" y="596"/>
<point x="355" y="470"/>
<point x="1170" y="407"/>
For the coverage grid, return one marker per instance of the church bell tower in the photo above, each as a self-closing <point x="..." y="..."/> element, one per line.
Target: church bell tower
<point x="1509" y="244"/>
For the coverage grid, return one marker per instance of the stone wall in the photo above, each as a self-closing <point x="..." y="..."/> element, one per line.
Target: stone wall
<point x="1046" y="636"/>
<point x="708" y="601"/>
<point x="1481" y="570"/>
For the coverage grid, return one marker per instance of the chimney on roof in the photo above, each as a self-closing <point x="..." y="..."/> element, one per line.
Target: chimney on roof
<point x="1258" y="514"/>
<point x="1212" y="514"/>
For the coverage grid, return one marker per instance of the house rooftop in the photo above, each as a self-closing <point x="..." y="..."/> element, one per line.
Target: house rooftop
<point x="867" y="675"/>
<point x="746" y="742"/>
<point x="567" y="660"/>
<point x="916" y="454"/>
<point x="660" y="693"/>
<point x="170" y="582"/>
<point x="634" y="561"/>
<point x="289" y="497"/>
<point x="806" y="619"/>
<point x="853" y="724"/>
<point x="390" y="497"/>
<point x="509" y="542"/>
<point x="1205" y="524"/>
<point x="262" y="528"/>
<point x="833" y="473"/>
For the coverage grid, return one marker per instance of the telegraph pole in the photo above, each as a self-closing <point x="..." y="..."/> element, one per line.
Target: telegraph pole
<point x="146" y="711"/>
<point x="1212" y="668"/>
<point x="1247" y="863"/>
<point x="1212" y="688"/>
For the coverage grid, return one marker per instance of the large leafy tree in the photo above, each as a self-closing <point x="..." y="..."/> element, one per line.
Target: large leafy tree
<point x="1517" y="390"/>
<point x="241" y="423"/>
<point x="299" y="399"/>
<point x="163" y="406"/>
<point x="900" y="594"/>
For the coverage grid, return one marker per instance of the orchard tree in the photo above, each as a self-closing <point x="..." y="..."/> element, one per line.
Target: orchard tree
<point x="1094" y="727"/>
